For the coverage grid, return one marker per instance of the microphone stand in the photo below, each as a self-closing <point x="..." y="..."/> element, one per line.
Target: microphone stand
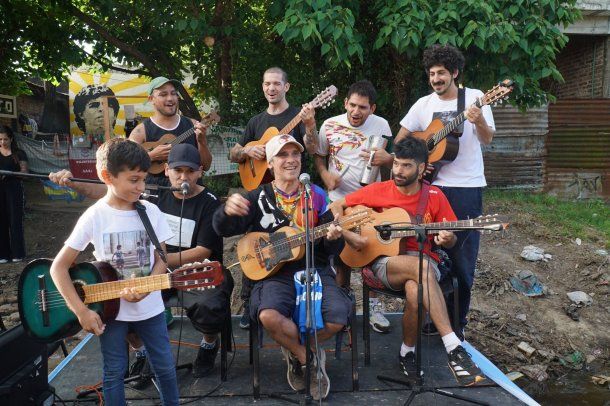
<point x="417" y="387"/>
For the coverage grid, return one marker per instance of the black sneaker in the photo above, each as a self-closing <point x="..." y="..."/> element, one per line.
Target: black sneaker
<point x="466" y="372"/>
<point x="244" y="322"/>
<point x="140" y="368"/>
<point x="204" y="363"/>
<point x="407" y="363"/>
<point x="295" y="374"/>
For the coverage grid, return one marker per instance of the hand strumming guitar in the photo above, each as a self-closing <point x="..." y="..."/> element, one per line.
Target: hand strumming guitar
<point x="160" y="152"/>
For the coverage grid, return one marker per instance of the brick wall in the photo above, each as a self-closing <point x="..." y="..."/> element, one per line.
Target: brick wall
<point x="582" y="64"/>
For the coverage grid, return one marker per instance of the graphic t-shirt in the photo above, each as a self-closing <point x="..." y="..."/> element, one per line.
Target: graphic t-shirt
<point x="115" y="235"/>
<point x="343" y="143"/>
<point x="467" y="168"/>
<point x="385" y="195"/>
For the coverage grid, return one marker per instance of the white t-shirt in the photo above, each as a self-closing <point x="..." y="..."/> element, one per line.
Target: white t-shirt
<point x="467" y="168"/>
<point x="114" y="234"/>
<point x="344" y="143"/>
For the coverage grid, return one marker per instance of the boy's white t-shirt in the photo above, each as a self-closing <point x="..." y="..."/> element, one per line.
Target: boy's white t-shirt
<point x="467" y="169"/>
<point x="344" y="143"/>
<point x="108" y="228"/>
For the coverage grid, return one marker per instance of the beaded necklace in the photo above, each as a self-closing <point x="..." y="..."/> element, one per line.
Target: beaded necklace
<point x="287" y="202"/>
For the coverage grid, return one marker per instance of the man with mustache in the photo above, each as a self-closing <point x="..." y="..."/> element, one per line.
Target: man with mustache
<point x="344" y="140"/>
<point x="401" y="272"/>
<point x="278" y="114"/>
<point x="462" y="180"/>
<point x="163" y="94"/>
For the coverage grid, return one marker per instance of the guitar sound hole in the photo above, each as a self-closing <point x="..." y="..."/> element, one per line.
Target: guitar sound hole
<point x="78" y="285"/>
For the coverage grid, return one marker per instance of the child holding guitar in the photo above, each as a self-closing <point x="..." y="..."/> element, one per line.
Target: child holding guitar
<point x="113" y="220"/>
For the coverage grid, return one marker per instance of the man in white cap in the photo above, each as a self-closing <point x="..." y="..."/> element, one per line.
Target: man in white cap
<point x="163" y="94"/>
<point x="272" y="302"/>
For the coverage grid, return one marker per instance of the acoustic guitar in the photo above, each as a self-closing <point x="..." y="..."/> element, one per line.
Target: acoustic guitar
<point x="443" y="145"/>
<point x="388" y="244"/>
<point x="254" y="172"/>
<point x="262" y="254"/>
<point x="157" y="167"/>
<point x="46" y="318"/>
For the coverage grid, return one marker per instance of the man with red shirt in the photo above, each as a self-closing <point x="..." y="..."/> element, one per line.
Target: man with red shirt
<point x="401" y="272"/>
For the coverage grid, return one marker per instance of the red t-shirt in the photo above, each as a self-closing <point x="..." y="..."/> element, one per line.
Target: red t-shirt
<point x="385" y="195"/>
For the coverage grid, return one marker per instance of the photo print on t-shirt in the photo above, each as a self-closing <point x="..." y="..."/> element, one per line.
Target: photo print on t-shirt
<point x="446" y="117"/>
<point x="128" y="252"/>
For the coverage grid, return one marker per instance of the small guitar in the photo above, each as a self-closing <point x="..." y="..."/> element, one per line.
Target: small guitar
<point x="262" y="254"/>
<point x="443" y="146"/>
<point x="253" y="172"/>
<point x="157" y="167"/>
<point x="46" y="317"/>
<point x="379" y="244"/>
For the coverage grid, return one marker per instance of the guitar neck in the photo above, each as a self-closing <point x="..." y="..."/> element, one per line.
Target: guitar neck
<point x="434" y="228"/>
<point x="183" y="136"/>
<point x="110" y="290"/>
<point x="291" y="124"/>
<point x="320" y="231"/>
<point x="452" y="125"/>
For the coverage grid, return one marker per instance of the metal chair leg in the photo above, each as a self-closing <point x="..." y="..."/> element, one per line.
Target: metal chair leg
<point x="366" y="332"/>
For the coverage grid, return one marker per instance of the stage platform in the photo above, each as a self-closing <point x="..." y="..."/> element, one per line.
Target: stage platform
<point x="85" y="369"/>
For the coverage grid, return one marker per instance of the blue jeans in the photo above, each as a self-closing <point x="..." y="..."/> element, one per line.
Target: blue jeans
<point x="467" y="203"/>
<point x="153" y="333"/>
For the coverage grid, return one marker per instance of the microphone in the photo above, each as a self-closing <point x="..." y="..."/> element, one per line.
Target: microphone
<point x="306" y="181"/>
<point x="185" y="188"/>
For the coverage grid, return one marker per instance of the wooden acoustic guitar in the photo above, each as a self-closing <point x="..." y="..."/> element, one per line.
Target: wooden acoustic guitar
<point x="379" y="244"/>
<point x="254" y="172"/>
<point x="263" y="254"/>
<point x="157" y="167"/>
<point x="443" y="145"/>
<point x="46" y="317"/>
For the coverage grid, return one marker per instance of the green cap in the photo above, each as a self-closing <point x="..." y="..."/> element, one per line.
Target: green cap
<point x="160" y="81"/>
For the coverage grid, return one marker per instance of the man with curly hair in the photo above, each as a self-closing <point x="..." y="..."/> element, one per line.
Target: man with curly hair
<point x="463" y="179"/>
<point x="88" y="111"/>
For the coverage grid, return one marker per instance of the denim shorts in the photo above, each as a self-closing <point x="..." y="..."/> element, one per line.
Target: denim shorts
<point x="380" y="269"/>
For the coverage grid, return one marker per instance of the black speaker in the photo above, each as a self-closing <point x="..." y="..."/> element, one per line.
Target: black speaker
<point x="24" y="370"/>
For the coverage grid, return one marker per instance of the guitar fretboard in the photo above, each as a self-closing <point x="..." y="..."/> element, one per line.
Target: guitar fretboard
<point x="451" y="126"/>
<point x="110" y="290"/>
<point x="434" y="228"/>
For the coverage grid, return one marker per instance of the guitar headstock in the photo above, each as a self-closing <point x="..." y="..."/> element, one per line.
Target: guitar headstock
<point x="325" y="98"/>
<point x="498" y="92"/>
<point x="210" y="119"/>
<point x="197" y="276"/>
<point x="491" y="223"/>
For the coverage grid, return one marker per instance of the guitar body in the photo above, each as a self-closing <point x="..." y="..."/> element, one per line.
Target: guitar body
<point x="156" y="167"/>
<point x="446" y="150"/>
<point x="376" y="245"/>
<point x="256" y="265"/>
<point x="61" y="322"/>
<point x="254" y="172"/>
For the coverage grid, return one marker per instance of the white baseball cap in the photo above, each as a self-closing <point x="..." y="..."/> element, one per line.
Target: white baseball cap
<point x="275" y="145"/>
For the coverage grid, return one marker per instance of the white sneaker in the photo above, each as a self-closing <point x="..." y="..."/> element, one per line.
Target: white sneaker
<point x="376" y="318"/>
<point x="3" y="261"/>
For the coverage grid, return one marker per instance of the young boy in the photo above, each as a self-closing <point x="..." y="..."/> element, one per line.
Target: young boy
<point x="122" y="165"/>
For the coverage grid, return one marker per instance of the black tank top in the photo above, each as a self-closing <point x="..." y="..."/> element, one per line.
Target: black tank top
<point x="154" y="132"/>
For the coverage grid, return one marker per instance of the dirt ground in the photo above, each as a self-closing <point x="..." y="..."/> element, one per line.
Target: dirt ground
<point x="561" y="343"/>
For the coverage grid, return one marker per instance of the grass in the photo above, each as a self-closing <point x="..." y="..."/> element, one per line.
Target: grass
<point x="586" y="219"/>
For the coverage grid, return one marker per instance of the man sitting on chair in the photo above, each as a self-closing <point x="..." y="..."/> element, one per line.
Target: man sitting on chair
<point x="401" y="272"/>
<point x="267" y="209"/>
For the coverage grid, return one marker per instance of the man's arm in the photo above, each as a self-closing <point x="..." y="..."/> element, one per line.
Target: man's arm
<point x="484" y="132"/>
<point x="310" y="138"/>
<point x="202" y="145"/>
<point x="402" y="134"/>
<point x="90" y="190"/>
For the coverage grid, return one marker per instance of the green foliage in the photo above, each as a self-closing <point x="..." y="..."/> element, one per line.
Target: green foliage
<point x="587" y="219"/>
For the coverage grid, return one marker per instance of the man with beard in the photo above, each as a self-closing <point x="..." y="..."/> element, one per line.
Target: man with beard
<point x="462" y="180"/>
<point x="278" y="114"/>
<point x="401" y="272"/>
<point x="344" y="139"/>
<point x="163" y="94"/>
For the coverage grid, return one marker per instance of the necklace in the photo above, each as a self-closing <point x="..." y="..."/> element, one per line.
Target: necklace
<point x="286" y="202"/>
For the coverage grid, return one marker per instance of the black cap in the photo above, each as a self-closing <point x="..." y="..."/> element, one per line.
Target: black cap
<point x="184" y="155"/>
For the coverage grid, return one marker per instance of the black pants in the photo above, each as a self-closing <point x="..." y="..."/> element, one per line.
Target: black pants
<point x="246" y="288"/>
<point x="12" y="240"/>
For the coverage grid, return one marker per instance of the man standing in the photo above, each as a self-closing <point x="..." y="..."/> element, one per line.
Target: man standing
<point x="462" y="180"/>
<point x="278" y="114"/>
<point x="401" y="272"/>
<point x="163" y="94"/>
<point x="344" y="140"/>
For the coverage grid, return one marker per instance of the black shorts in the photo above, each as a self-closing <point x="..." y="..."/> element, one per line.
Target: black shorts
<point x="278" y="293"/>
